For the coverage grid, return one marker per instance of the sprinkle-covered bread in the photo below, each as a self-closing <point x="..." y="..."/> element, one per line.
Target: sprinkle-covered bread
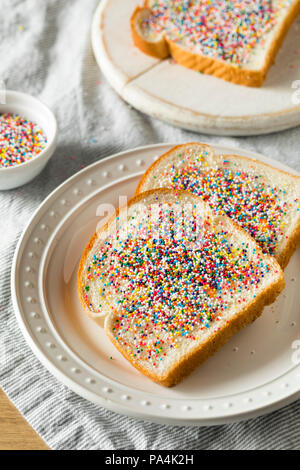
<point x="174" y="281"/>
<point x="263" y="200"/>
<point x="235" y="40"/>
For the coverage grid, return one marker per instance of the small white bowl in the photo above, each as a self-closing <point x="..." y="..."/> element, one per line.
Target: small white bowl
<point x="34" y="110"/>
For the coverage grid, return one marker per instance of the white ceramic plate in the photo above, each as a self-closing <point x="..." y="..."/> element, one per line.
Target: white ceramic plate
<point x="188" y="99"/>
<point x="33" y="109"/>
<point x="253" y="374"/>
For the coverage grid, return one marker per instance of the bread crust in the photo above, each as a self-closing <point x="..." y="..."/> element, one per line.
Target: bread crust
<point x="189" y="361"/>
<point x="206" y="65"/>
<point x="282" y="257"/>
<point x="83" y="258"/>
<point x="159" y="49"/>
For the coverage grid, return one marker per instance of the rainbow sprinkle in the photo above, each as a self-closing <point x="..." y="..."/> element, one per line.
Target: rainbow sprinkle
<point x="20" y="140"/>
<point x="166" y="289"/>
<point x="223" y="29"/>
<point x="244" y="196"/>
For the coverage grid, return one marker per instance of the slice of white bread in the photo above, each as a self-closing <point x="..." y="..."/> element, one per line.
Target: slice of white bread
<point x="236" y="41"/>
<point x="174" y="281"/>
<point x="263" y="200"/>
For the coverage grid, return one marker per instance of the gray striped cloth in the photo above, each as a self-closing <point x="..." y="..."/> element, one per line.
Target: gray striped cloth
<point x="45" y="50"/>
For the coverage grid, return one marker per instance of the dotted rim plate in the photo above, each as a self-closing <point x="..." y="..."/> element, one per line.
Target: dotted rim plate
<point x="66" y="364"/>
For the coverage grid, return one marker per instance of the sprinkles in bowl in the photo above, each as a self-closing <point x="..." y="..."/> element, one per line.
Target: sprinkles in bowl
<point x="20" y="140"/>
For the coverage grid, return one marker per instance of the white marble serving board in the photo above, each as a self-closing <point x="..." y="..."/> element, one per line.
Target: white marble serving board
<point x="194" y="101"/>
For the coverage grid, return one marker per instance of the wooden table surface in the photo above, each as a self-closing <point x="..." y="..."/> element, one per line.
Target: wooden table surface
<point x="15" y="432"/>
